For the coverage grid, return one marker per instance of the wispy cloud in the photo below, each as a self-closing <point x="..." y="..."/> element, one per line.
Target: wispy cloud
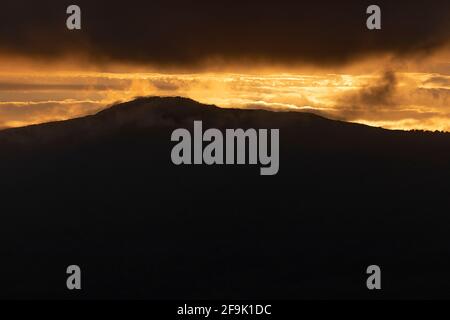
<point x="398" y="100"/>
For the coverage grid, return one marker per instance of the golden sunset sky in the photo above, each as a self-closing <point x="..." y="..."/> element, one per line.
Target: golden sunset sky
<point x="406" y="95"/>
<point x="300" y="56"/>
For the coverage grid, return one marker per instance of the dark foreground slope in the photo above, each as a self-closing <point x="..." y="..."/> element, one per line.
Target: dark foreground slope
<point x="101" y="192"/>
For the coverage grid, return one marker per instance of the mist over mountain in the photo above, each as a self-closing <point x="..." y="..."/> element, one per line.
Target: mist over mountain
<point x="101" y="192"/>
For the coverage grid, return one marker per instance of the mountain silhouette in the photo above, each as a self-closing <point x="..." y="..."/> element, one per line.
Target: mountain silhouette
<point x="101" y="192"/>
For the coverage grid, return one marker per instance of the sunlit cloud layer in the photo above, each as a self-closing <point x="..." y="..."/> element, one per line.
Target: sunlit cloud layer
<point x="391" y="99"/>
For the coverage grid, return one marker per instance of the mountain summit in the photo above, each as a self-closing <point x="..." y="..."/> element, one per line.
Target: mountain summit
<point x="147" y="112"/>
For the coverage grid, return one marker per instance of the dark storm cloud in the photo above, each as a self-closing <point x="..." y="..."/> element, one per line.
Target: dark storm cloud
<point x="439" y="81"/>
<point x="186" y="33"/>
<point x="165" y="84"/>
<point x="378" y="94"/>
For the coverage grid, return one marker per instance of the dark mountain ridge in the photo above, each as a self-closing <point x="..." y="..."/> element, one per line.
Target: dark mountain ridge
<point x="158" y="112"/>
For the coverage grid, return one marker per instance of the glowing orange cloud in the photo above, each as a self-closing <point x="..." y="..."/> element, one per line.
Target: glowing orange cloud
<point x="404" y="95"/>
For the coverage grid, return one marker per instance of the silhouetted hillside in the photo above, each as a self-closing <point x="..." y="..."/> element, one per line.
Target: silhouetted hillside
<point x="101" y="192"/>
